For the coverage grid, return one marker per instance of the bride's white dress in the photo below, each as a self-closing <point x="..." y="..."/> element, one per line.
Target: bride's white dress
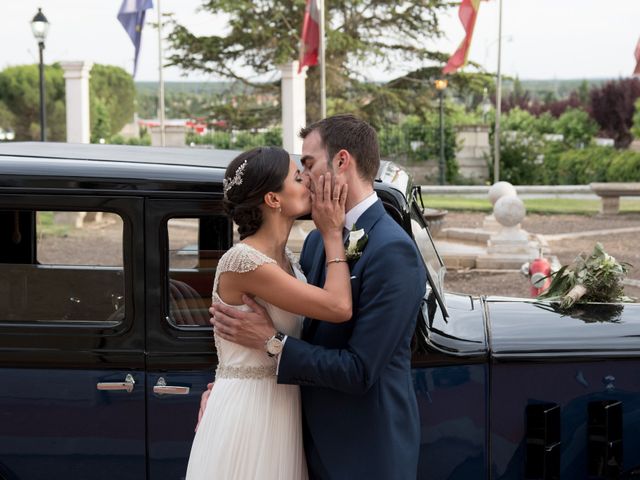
<point x="252" y="427"/>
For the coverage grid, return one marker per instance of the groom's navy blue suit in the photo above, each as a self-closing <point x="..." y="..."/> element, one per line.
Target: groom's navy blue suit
<point x="359" y="408"/>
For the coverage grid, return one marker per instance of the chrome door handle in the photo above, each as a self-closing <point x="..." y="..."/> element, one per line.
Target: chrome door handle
<point x="161" y="388"/>
<point x="127" y="385"/>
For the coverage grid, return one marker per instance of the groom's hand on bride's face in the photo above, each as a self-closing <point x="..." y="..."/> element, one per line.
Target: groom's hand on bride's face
<point x="251" y="329"/>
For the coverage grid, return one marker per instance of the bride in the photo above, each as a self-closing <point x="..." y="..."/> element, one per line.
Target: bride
<point x="252" y="427"/>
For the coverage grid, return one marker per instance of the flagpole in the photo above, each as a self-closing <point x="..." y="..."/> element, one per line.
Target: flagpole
<point x="323" y="72"/>
<point x="496" y="134"/>
<point x="161" y="80"/>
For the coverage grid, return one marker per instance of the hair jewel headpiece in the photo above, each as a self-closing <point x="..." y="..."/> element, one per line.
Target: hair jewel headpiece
<point x="229" y="183"/>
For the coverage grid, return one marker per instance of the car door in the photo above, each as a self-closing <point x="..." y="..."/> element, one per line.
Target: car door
<point x="72" y="378"/>
<point x="185" y="239"/>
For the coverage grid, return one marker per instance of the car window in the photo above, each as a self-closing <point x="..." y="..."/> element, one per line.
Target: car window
<point x="61" y="267"/>
<point x="193" y="258"/>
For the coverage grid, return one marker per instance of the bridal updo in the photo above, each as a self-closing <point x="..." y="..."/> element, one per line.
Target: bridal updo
<point x="246" y="184"/>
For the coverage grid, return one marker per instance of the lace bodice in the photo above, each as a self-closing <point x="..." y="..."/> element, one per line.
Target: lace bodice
<point x="236" y="361"/>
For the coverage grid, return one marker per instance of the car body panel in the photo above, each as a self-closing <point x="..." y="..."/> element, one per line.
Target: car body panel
<point x="485" y="369"/>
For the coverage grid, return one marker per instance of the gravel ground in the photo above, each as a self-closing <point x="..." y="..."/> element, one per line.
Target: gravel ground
<point x="624" y="247"/>
<point x="101" y="245"/>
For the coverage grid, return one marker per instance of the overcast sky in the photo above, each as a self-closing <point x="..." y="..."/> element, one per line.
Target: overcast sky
<point x="543" y="39"/>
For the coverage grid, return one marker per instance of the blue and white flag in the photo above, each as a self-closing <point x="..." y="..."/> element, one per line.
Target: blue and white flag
<point x="131" y="16"/>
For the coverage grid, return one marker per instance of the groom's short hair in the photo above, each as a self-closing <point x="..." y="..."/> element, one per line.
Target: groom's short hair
<point x="352" y="134"/>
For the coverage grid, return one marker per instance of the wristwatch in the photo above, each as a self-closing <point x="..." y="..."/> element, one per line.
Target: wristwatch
<point x="274" y="344"/>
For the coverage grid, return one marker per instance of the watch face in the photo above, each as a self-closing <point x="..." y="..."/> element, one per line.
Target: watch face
<point x="274" y="346"/>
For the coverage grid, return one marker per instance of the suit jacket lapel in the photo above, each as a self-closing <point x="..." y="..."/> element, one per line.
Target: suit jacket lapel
<point x="318" y="272"/>
<point x="316" y="277"/>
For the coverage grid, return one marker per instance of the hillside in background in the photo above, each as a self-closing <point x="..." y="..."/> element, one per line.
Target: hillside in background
<point x="559" y="88"/>
<point x="193" y="99"/>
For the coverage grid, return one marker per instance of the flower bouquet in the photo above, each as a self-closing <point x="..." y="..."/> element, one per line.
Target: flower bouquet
<point x="594" y="278"/>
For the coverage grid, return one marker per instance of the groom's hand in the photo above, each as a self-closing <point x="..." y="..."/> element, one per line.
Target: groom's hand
<point x="204" y="398"/>
<point x="251" y="329"/>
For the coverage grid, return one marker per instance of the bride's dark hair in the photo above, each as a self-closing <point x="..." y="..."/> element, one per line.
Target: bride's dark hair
<point x="265" y="171"/>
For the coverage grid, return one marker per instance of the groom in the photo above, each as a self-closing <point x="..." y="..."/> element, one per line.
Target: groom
<point x="360" y="415"/>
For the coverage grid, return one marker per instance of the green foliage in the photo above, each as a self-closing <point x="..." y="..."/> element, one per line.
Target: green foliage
<point x="538" y="205"/>
<point x="624" y="167"/>
<point x="521" y="157"/>
<point x="578" y="167"/>
<point x="144" y="140"/>
<point x="20" y="92"/>
<point x="242" y="140"/>
<point x="7" y="117"/>
<point x="518" y="120"/>
<point x="417" y="139"/>
<point x="546" y="123"/>
<point x="592" y="164"/>
<point x="101" y="124"/>
<point x="577" y="127"/>
<point x="594" y="278"/>
<point x="111" y="92"/>
<point x="635" y="129"/>
<point x="112" y="96"/>
<point x="528" y="158"/>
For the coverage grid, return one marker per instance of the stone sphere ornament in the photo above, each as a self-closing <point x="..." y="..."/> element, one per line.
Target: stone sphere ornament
<point x="501" y="189"/>
<point x="509" y="210"/>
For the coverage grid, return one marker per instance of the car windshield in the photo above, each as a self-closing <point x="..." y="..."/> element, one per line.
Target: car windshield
<point x="435" y="265"/>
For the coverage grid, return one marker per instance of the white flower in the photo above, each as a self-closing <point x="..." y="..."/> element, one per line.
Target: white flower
<point x="357" y="239"/>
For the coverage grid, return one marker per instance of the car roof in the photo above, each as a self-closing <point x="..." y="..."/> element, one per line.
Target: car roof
<point x="195" y="157"/>
<point x="48" y="166"/>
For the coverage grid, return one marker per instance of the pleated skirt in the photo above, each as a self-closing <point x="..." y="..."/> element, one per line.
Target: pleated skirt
<point x="251" y="429"/>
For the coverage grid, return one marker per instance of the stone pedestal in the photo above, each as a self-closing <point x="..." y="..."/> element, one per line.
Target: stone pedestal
<point x="76" y="76"/>
<point x="490" y="223"/>
<point x="610" y="206"/>
<point x="294" y="107"/>
<point x="174" y="136"/>
<point x="509" y="247"/>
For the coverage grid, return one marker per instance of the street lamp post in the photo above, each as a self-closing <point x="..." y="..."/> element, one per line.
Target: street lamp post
<point x="40" y="27"/>
<point x="441" y="85"/>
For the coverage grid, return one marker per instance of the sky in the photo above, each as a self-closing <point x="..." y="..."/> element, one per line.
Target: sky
<point x="542" y="39"/>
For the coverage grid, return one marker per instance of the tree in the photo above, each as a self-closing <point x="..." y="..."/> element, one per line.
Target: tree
<point x="7" y="118"/>
<point x="20" y="92"/>
<point x="112" y="97"/>
<point x="265" y="33"/>
<point x="612" y="106"/>
<point x="635" y="130"/>
<point x="101" y="123"/>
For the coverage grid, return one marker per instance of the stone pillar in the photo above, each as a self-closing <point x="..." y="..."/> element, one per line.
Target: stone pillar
<point x="76" y="76"/>
<point x="294" y="107"/>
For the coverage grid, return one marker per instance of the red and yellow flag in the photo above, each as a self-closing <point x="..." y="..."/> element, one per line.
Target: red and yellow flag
<point x="468" y="13"/>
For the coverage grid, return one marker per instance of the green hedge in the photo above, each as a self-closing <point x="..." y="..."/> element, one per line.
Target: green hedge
<point x="593" y="164"/>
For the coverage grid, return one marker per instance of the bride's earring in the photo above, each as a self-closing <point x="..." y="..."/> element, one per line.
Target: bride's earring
<point x="279" y="209"/>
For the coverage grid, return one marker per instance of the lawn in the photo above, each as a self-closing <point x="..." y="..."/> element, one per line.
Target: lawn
<point x="533" y="205"/>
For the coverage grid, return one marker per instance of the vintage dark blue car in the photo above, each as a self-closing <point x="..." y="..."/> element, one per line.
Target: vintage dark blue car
<point x="105" y="345"/>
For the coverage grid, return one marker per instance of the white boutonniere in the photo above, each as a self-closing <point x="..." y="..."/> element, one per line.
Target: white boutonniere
<point x="357" y="241"/>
